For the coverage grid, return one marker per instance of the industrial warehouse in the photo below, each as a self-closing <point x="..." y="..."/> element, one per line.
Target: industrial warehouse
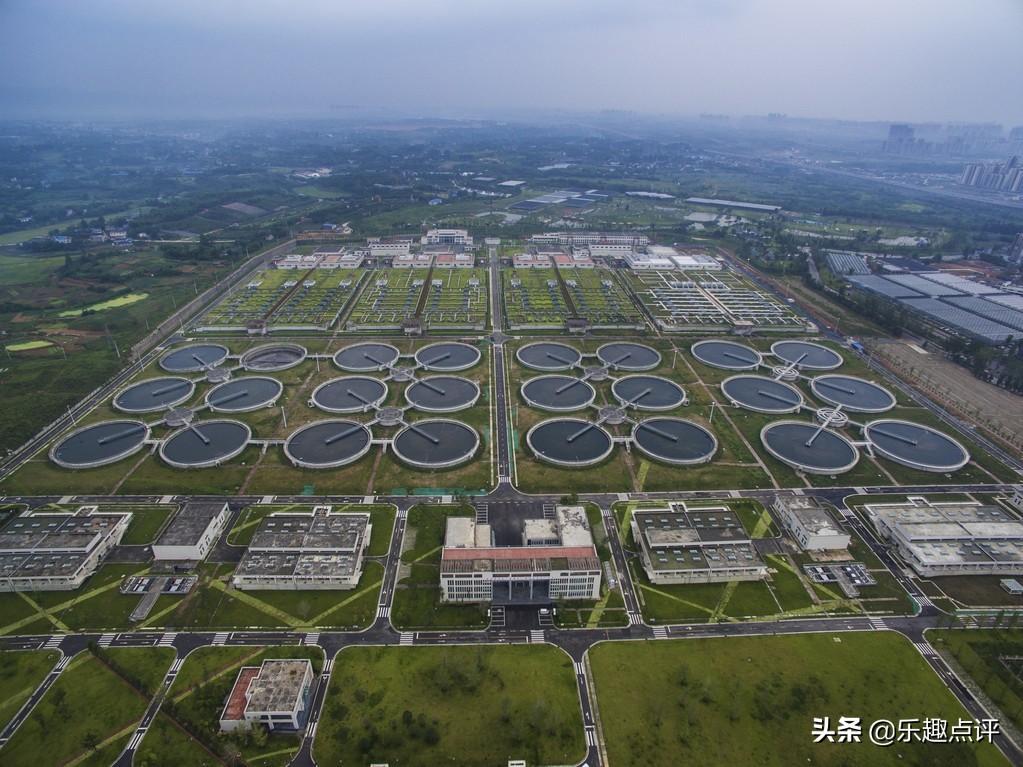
<point x="951" y="538"/>
<point x="699" y="544"/>
<point x="320" y="549"/>
<point x="47" y="551"/>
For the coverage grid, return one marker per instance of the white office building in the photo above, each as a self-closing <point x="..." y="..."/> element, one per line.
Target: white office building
<point x="557" y="561"/>
<point x="448" y="237"/>
<point x="275" y="694"/>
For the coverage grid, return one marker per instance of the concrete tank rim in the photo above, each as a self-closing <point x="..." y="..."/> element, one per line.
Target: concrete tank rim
<point x="334" y="464"/>
<point x="123" y="389"/>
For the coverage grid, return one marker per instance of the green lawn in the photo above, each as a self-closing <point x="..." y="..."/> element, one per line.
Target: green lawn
<point x="416" y="603"/>
<point x="752" y="700"/>
<point x="450" y="705"/>
<point x="87" y="706"/>
<point x="20" y="673"/>
<point x="986" y="656"/>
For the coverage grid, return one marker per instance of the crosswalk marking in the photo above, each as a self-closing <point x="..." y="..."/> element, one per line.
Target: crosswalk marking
<point x="878" y="624"/>
<point x="548" y="511"/>
<point x="536" y="635"/>
<point x="167" y="640"/>
<point x="634" y="619"/>
<point x="660" y="632"/>
<point x="407" y="638"/>
<point x="106" y="640"/>
<point x="924" y="600"/>
<point x="926" y="649"/>
<point x="267" y="499"/>
<point x="383" y="611"/>
<point x="482" y="513"/>
<point x="65" y="499"/>
<point x="165" y="499"/>
<point x="328" y="667"/>
<point x="312" y="637"/>
<point x="53" y="642"/>
<point x="175" y="666"/>
<point x="62" y="664"/>
<point x="497" y="617"/>
<point x="136" y="739"/>
<point x="402" y="513"/>
<point x="578" y="668"/>
<point x="591" y="735"/>
<point x="221" y="637"/>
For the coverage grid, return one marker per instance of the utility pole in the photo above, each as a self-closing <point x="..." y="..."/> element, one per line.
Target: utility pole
<point x="284" y="416"/>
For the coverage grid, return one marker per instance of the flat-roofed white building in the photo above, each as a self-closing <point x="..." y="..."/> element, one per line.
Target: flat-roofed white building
<point x="809" y="523"/>
<point x="275" y="694"/>
<point x="57" y="551"/>
<point x="454" y="261"/>
<point x="647" y="261"/>
<point x="192" y="532"/>
<point x="413" y="261"/>
<point x="697" y="544"/>
<point x="951" y="538"/>
<point x="377" y="247"/>
<point x="531" y="261"/>
<point x="448" y="237"/>
<point x="589" y="239"/>
<point x="316" y="549"/>
<point x="558" y="561"/>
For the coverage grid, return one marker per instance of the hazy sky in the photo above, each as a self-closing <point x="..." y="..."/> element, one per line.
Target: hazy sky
<point x="861" y="59"/>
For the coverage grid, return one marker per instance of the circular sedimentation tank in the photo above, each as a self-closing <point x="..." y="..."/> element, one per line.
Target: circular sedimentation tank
<point x="648" y="393"/>
<point x="437" y="443"/>
<point x="442" y="394"/>
<point x="809" y="447"/>
<point x="762" y="394"/>
<point x="365" y="357"/>
<point x="272" y="357"/>
<point x="806" y="355"/>
<point x="243" y="395"/>
<point x="328" y="444"/>
<point x="557" y="393"/>
<point x="625" y="355"/>
<point x="350" y="394"/>
<point x="205" y="443"/>
<point x="99" y="444"/>
<point x="727" y="355"/>
<point x="915" y="445"/>
<point x="191" y="359"/>
<point x="569" y="442"/>
<point x="154" y="394"/>
<point x="852" y="393"/>
<point x="675" y="441"/>
<point x="548" y="355"/>
<point x="448" y="356"/>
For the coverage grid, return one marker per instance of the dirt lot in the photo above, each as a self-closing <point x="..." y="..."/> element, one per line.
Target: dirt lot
<point x="996" y="411"/>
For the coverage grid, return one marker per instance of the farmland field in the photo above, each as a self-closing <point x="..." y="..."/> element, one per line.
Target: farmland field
<point x="390" y="298"/>
<point x="597" y="296"/>
<point x="720" y="300"/>
<point x="533" y="298"/>
<point x="457" y="299"/>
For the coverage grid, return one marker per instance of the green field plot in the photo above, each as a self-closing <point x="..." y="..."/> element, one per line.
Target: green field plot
<point x="251" y="301"/>
<point x="417" y="596"/>
<point x="90" y="712"/>
<point x="993" y="659"/>
<point x="317" y="300"/>
<point x="597" y="296"/>
<point x="752" y="700"/>
<point x="457" y="299"/>
<point x="471" y="706"/>
<point x="187" y="729"/>
<point x="20" y="673"/>
<point x="390" y="298"/>
<point x="533" y="299"/>
<point x="710" y="301"/>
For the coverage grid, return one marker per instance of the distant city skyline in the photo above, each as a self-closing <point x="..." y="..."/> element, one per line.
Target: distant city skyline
<point x="871" y="60"/>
